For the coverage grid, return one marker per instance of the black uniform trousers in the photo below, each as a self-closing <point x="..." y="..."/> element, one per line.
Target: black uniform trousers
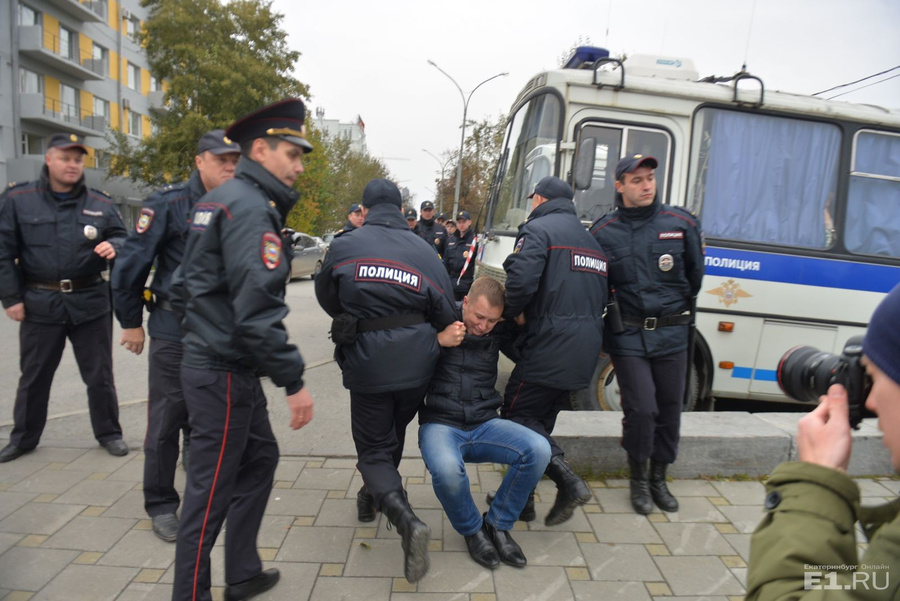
<point x="378" y="422"/>
<point x="534" y="406"/>
<point x="652" y="399"/>
<point x="41" y="347"/>
<point x="233" y="459"/>
<point x="166" y="416"/>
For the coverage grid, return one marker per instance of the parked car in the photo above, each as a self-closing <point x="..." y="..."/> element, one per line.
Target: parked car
<point x="308" y="256"/>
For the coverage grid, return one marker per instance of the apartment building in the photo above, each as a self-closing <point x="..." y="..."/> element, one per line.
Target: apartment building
<point x="73" y="66"/>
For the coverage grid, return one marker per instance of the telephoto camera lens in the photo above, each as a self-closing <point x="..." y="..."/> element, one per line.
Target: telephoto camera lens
<point x="805" y="373"/>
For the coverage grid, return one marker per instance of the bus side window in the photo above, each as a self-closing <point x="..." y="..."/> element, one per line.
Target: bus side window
<point x="872" y="225"/>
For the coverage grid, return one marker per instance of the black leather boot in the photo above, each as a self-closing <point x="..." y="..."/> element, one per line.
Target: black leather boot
<point x="509" y="550"/>
<point x="414" y="534"/>
<point x="481" y="548"/>
<point x="571" y="491"/>
<point x="527" y="514"/>
<point x="365" y="505"/>
<point x="658" y="489"/>
<point x="640" y="487"/>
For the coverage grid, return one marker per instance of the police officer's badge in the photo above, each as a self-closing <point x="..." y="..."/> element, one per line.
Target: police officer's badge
<point x="144" y="221"/>
<point x="666" y="262"/>
<point x="465" y="254"/>
<point x="90" y="232"/>
<point x="437" y="240"/>
<point x="271" y="250"/>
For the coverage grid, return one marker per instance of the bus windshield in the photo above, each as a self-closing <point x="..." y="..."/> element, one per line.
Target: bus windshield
<point x="528" y="155"/>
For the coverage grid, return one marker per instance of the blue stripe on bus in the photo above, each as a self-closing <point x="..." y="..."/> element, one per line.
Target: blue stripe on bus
<point x="760" y="375"/>
<point x="808" y="271"/>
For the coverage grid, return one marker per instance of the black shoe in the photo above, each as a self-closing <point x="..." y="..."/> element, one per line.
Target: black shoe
<point x="640" y="487"/>
<point x="165" y="526"/>
<point x="115" y="447"/>
<point x="250" y="588"/>
<point x="365" y="505"/>
<point x="481" y="549"/>
<point x="658" y="489"/>
<point x="414" y="534"/>
<point x="11" y="452"/>
<point x="571" y="491"/>
<point x="527" y="514"/>
<point x="509" y="550"/>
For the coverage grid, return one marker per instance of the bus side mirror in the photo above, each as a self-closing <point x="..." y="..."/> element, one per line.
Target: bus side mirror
<point x="584" y="163"/>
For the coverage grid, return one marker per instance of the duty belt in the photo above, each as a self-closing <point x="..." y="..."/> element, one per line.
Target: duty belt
<point x="390" y="322"/>
<point x="64" y="285"/>
<point x="651" y="323"/>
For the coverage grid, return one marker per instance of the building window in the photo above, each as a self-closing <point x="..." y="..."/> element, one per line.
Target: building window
<point x="101" y="109"/>
<point x="134" y="123"/>
<point x="68" y="100"/>
<point x="66" y="43"/>
<point x="155" y="85"/>
<point x="28" y="16"/>
<point x="132" y="27"/>
<point x="30" y="82"/>
<point x="134" y="77"/>
<point x="32" y="144"/>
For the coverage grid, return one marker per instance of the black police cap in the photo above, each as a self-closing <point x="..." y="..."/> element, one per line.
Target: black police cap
<point x="380" y="191"/>
<point x="283" y="119"/>
<point x="552" y="187"/>
<point x="67" y="141"/>
<point x="410" y="214"/>
<point x="216" y="142"/>
<point x="463" y="215"/>
<point x="632" y="162"/>
<point x="426" y="204"/>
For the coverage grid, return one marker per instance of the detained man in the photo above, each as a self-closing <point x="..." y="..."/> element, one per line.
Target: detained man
<point x="458" y="424"/>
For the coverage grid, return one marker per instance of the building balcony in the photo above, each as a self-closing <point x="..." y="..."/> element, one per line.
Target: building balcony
<point x="45" y="48"/>
<point x="157" y="100"/>
<point x="83" y="10"/>
<point x="58" y="115"/>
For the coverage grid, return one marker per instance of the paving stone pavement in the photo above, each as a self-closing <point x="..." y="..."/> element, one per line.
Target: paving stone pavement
<point x="73" y="527"/>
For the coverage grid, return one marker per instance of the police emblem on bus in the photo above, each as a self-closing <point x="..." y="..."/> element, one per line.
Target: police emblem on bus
<point x="271" y="250"/>
<point x="90" y="232"/>
<point x="729" y="293"/>
<point x="144" y="221"/>
<point x="666" y="262"/>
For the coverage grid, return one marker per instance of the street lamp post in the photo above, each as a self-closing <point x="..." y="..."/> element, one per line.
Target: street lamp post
<point x="462" y="138"/>
<point x="440" y="197"/>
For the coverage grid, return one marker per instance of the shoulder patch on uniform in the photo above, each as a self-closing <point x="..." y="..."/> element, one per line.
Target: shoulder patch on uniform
<point x="270" y="250"/>
<point x="519" y="244"/>
<point x="145" y="220"/>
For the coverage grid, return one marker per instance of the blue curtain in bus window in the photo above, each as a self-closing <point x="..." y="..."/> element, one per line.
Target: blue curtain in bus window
<point x="769" y="179"/>
<point x="873" y="206"/>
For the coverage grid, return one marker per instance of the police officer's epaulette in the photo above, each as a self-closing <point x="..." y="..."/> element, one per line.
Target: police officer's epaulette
<point x="101" y="193"/>
<point x="683" y="210"/>
<point x="17" y="185"/>
<point x="340" y="232"/>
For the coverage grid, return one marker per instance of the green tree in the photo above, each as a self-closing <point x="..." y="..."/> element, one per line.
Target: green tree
<point x="219" y="61"/>
<point x="480" y="153"/>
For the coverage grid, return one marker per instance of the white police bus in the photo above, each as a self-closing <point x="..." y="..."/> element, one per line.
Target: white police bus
<point x="799" y="199"/>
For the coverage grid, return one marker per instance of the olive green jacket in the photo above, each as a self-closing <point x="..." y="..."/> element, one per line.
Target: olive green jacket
<point x="805" y="547"/>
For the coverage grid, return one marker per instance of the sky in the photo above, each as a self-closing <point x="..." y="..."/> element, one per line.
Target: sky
<point x="370" y="59"/>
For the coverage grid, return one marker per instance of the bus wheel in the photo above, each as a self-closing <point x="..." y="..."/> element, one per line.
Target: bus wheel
<point x="599" y="397"/>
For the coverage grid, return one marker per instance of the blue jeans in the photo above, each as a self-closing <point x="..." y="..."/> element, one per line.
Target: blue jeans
<point x="446" y="450"/>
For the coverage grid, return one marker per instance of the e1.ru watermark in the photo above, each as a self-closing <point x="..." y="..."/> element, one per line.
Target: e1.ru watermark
<point x="861" y="577"/>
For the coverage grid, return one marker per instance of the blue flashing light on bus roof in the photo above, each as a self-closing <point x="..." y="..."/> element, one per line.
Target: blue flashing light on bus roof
<point x="584" y="55"/>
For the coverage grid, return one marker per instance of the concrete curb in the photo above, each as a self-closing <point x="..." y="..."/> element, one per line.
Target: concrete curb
<point x="724" y="444"/>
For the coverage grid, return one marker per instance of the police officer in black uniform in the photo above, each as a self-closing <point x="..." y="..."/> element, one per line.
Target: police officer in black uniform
<point x="430" y="230"/>
<point x="355" y="218"/>
<point x="159" y="237"/>
<point x="411" y="221"/>
<point x="555" y="287"/>
<point x="230" y="287"/>
<point x="656" y="266"/>
<point x="389" y="296"/>
<point x="459" y="257"/>
<point x="56" y="238"/>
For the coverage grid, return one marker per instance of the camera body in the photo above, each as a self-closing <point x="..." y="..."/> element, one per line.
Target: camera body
<point x="805" y="374"/>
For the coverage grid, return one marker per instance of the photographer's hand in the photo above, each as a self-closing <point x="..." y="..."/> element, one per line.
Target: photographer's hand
<point x="823" y="435"/>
